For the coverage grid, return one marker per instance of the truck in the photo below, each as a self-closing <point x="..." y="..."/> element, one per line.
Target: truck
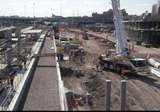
<point x="121" y="60"/>
<point x="124" y="65"/>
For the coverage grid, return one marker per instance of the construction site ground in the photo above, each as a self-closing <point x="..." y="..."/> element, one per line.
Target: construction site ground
<point x="143" y="91"/>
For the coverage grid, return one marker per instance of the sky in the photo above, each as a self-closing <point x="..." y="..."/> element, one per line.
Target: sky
<point x="45" y="8"/>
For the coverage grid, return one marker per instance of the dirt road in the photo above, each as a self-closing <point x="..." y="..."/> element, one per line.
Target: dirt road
<point x="143" y="92"/>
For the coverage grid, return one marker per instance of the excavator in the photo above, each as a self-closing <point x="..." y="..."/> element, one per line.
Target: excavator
<point x="121" y="60"/>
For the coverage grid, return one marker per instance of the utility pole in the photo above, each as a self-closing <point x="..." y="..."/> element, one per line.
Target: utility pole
<point x="34" y="12"/>
<point x="33" y="9"/>
<point x="24" y="10"/>
<point x="60" y="7"/>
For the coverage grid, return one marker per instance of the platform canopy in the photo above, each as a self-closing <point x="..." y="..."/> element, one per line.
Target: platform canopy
<point x="36" y="31"/>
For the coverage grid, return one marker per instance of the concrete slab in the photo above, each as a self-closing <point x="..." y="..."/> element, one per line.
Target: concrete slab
<point x="43" y="93"/>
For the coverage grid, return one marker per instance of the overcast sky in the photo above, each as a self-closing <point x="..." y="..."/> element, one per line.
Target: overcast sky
<point x="45" y="8"/>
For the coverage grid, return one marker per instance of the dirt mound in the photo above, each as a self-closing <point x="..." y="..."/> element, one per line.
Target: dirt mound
<point x="97" y="89"/>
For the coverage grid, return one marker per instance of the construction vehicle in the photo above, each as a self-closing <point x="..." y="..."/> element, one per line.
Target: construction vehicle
<point x="120" y="60"/>
<point x="85" y="35"/>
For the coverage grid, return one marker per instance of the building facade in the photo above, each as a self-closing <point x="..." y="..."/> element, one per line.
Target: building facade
<point x="156" y="8"/>
<point x="143" y="32"/>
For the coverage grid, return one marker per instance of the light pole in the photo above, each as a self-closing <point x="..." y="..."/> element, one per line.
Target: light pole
<point x="34" y="12"/>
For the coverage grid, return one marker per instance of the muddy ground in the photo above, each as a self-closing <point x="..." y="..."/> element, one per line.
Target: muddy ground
<point x="143" y="92"/>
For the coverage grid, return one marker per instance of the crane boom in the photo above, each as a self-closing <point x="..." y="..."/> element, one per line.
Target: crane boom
<point x="121" y="44"/>
<point x="121" y="61"/>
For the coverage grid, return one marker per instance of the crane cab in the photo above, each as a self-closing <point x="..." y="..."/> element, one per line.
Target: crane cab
<point x="139" y="64"/>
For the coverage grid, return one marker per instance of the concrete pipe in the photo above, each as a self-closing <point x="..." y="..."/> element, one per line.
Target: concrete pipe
<point x="154" y="63"/>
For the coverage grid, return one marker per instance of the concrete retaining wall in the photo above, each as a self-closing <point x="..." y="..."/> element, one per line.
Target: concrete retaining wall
<point x="62" y="95"/>
<point x="21" y="87"/>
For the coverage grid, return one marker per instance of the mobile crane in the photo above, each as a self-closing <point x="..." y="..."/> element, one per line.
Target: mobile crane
<point x="120" y="60"/>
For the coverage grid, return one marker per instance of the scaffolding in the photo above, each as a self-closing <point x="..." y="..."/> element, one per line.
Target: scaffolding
<point x="14" y="58"/>
<point x="5" y="49"/>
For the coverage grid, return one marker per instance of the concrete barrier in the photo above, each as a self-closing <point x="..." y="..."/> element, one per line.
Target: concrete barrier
<point x="63" y="101"/>
<point x="21" y="87"/>
<point x="155" y="71"/>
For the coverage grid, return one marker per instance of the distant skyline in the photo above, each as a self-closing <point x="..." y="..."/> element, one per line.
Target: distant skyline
<point x="45" y="8"/>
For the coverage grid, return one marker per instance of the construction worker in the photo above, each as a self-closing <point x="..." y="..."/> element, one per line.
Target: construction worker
<point x="100" y="63"/>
